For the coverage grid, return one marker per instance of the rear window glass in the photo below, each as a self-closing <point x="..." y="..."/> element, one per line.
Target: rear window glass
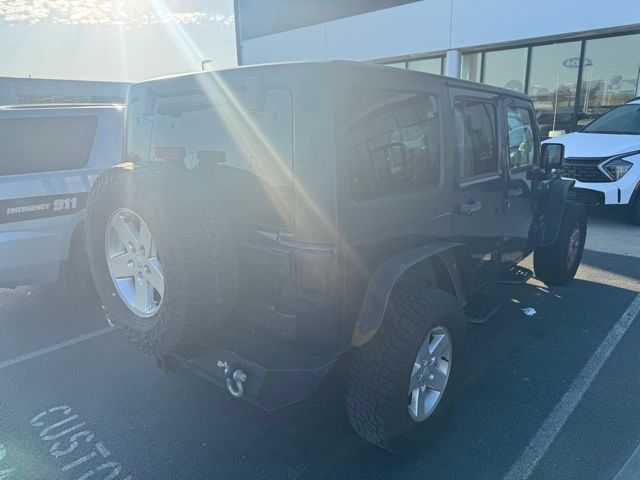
<point x="45" y="144"/>
<point x="394" y="142"/>
<point x="251" y="148"/>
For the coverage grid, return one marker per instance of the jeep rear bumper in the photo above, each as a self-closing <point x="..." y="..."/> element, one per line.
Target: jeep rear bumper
<point x="276" y="375"/>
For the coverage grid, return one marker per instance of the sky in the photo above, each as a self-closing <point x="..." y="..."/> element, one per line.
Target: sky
<point x="115" y="40"/>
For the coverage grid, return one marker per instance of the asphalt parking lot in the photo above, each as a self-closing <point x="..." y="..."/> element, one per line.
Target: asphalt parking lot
<point x="553" y="395"/>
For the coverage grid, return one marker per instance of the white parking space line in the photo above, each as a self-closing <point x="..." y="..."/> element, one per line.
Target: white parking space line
<point x="53" y="348"/>
<point x="631" y="469"/>
<point x="539" y="444"/>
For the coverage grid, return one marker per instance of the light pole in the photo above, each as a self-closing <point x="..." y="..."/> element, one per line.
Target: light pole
<point x="204" y="62"/>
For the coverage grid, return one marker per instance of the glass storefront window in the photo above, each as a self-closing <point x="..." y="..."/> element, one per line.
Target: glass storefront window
<point x="470" y="68"/>
<point x="553" y="83"/>
<point x="609" y="76"/>
<point x="427" y="65"/>
<point x="506" y="68"/>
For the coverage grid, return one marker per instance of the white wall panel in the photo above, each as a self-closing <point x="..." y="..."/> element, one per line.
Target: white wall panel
<point x="427" y="26"/>
<point x="385" y="34"/>
<point x="307" y="43"/>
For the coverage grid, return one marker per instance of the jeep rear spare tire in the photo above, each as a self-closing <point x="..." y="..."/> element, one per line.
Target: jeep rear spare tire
<point x="162" y="263"/>
<point x="400" y="383"/>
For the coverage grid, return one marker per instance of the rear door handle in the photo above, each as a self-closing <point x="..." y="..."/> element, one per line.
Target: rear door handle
<point x="467" y="208"/>
<point x="515" y="192"/>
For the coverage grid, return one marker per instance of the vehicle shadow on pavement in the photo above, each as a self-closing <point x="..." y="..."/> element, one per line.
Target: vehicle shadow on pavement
<point x="517" y="368"/>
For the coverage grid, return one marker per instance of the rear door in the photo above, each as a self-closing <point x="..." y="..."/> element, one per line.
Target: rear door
<point x="480" y="183"/>
<point x="43" y="190"/>
<point x="521" y="157"/>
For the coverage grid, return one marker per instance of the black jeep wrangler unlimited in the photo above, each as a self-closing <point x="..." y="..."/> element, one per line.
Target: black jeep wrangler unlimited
<point x="273" y="221"/>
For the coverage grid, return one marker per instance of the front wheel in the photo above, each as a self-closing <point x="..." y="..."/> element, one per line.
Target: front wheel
<point x="633" y="211"/>
<point x="558" y="263"/>
<point x="400" y="383"/>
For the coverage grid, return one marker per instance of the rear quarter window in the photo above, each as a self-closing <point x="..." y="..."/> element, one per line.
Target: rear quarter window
<point x="394" y="142"/>
<point x="45" y="144"/>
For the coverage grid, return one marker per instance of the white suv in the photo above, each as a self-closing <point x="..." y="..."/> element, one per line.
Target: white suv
<point x="604" y="159"/>
<point x="50" y="156"/>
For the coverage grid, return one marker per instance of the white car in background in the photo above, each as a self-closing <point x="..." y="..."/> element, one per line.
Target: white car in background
<point x="604" y="159"/>
<point x="50" y="156"/>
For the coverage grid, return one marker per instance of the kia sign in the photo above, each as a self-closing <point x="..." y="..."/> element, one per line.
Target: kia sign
<point x="574" y="62"/>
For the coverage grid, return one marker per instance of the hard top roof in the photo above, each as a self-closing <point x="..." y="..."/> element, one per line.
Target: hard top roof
<point x="357" y="66"/>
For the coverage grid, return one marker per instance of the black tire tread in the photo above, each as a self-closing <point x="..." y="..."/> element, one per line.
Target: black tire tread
<point x="198" y="240"/>
<point x="633" y="211"/>
<point x="379" y="370"/>
<point x="549" y="262"/>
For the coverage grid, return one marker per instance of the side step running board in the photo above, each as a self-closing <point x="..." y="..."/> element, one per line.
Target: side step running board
<point x="516" y="275"/>
<point x="480" y="309"/>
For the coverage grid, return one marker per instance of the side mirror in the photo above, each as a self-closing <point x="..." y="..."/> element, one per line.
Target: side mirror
<point x="552" y="155"/>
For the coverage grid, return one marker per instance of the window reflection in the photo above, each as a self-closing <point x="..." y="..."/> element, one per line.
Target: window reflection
<point x="475" y="133"/>
<point x="470" y="68"/>
<point x="253" y="149"/>
<point x="521" y="139"/>
<point x="553" y="83"/>
<point x="395" y="142"/>
<point x="610" y="75"/>
<point x="506" y="68"/>
<point x="427" y="65"/>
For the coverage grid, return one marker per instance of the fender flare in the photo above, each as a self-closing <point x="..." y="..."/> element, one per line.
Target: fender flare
<point x="383" y="280"/>
<point x="556" y="202"/>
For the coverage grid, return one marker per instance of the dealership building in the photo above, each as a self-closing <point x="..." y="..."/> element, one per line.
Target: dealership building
<point x="574" y="58"/>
